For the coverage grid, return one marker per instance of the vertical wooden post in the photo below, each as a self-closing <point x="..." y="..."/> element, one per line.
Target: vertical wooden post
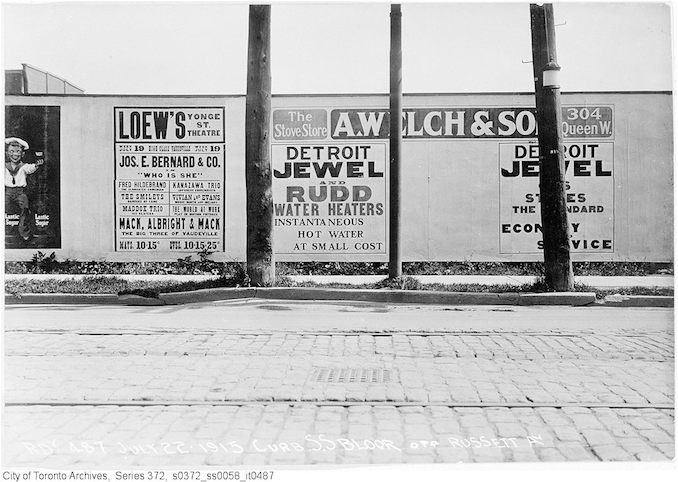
<point x="260" y="261"/>
<point x="555" y="226"/>
<point x="539" y="58"/>
<point x="395" y="143"/>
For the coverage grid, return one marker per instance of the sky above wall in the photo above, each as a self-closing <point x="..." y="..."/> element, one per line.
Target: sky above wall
<point x="201" y="48"/>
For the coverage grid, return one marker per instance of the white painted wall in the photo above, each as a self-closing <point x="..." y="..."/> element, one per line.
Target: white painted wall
<point x="451" y="189"/>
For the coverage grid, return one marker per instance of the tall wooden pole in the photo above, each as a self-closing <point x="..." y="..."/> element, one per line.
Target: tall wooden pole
<point x="539" y="57"/>
<point x="395" y="143"/>
<point x="555" y="226"/>
<point x="260" y="261"/>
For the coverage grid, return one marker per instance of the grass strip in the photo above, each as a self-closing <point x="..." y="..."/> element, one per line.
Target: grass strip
<point x="48" y="263"/>
<point x="152" y="289"/>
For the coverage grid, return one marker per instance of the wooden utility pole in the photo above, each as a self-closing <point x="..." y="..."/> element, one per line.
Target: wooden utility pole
<point x="260" y="262"/>
<point x="395" y="268"/>
<point x="555" y="226"/>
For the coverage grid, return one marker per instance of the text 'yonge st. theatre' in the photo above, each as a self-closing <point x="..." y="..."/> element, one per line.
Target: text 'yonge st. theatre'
<point x="161" y="177"/>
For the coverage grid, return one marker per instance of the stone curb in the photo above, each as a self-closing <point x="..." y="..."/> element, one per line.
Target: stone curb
<point x="323" y="294"/>
<point x="136" y="300"/>
<point x="388" y="296"/>
<point x="568" y="298"/>
<point x="61" y="299"/>
<point x="206" y="295"/>
<point x="639" y="301"/>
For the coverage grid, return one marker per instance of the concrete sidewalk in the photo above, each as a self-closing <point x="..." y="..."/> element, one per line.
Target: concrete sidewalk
<point x="663" y="281"/>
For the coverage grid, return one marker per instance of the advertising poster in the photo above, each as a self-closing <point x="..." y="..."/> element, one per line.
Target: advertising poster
<point x="589" y="184"/>
<point x="169" y="178"/>
<point x="32" y="177"/>
<point x="329" y="196"/>
<point x="469" y="122"/>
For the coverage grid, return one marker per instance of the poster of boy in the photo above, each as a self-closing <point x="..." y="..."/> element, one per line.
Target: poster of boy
<point x="32" y="185"/>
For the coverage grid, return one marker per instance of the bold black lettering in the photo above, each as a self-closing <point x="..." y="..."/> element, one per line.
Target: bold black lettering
<point x="160" y="119"/>
<point x="180" y="117"/>
<point x="514" y="173"/>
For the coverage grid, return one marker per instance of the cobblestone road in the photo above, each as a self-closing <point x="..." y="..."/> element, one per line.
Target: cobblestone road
<point x="266" y="395"/>
<point x="285" y="434"/>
